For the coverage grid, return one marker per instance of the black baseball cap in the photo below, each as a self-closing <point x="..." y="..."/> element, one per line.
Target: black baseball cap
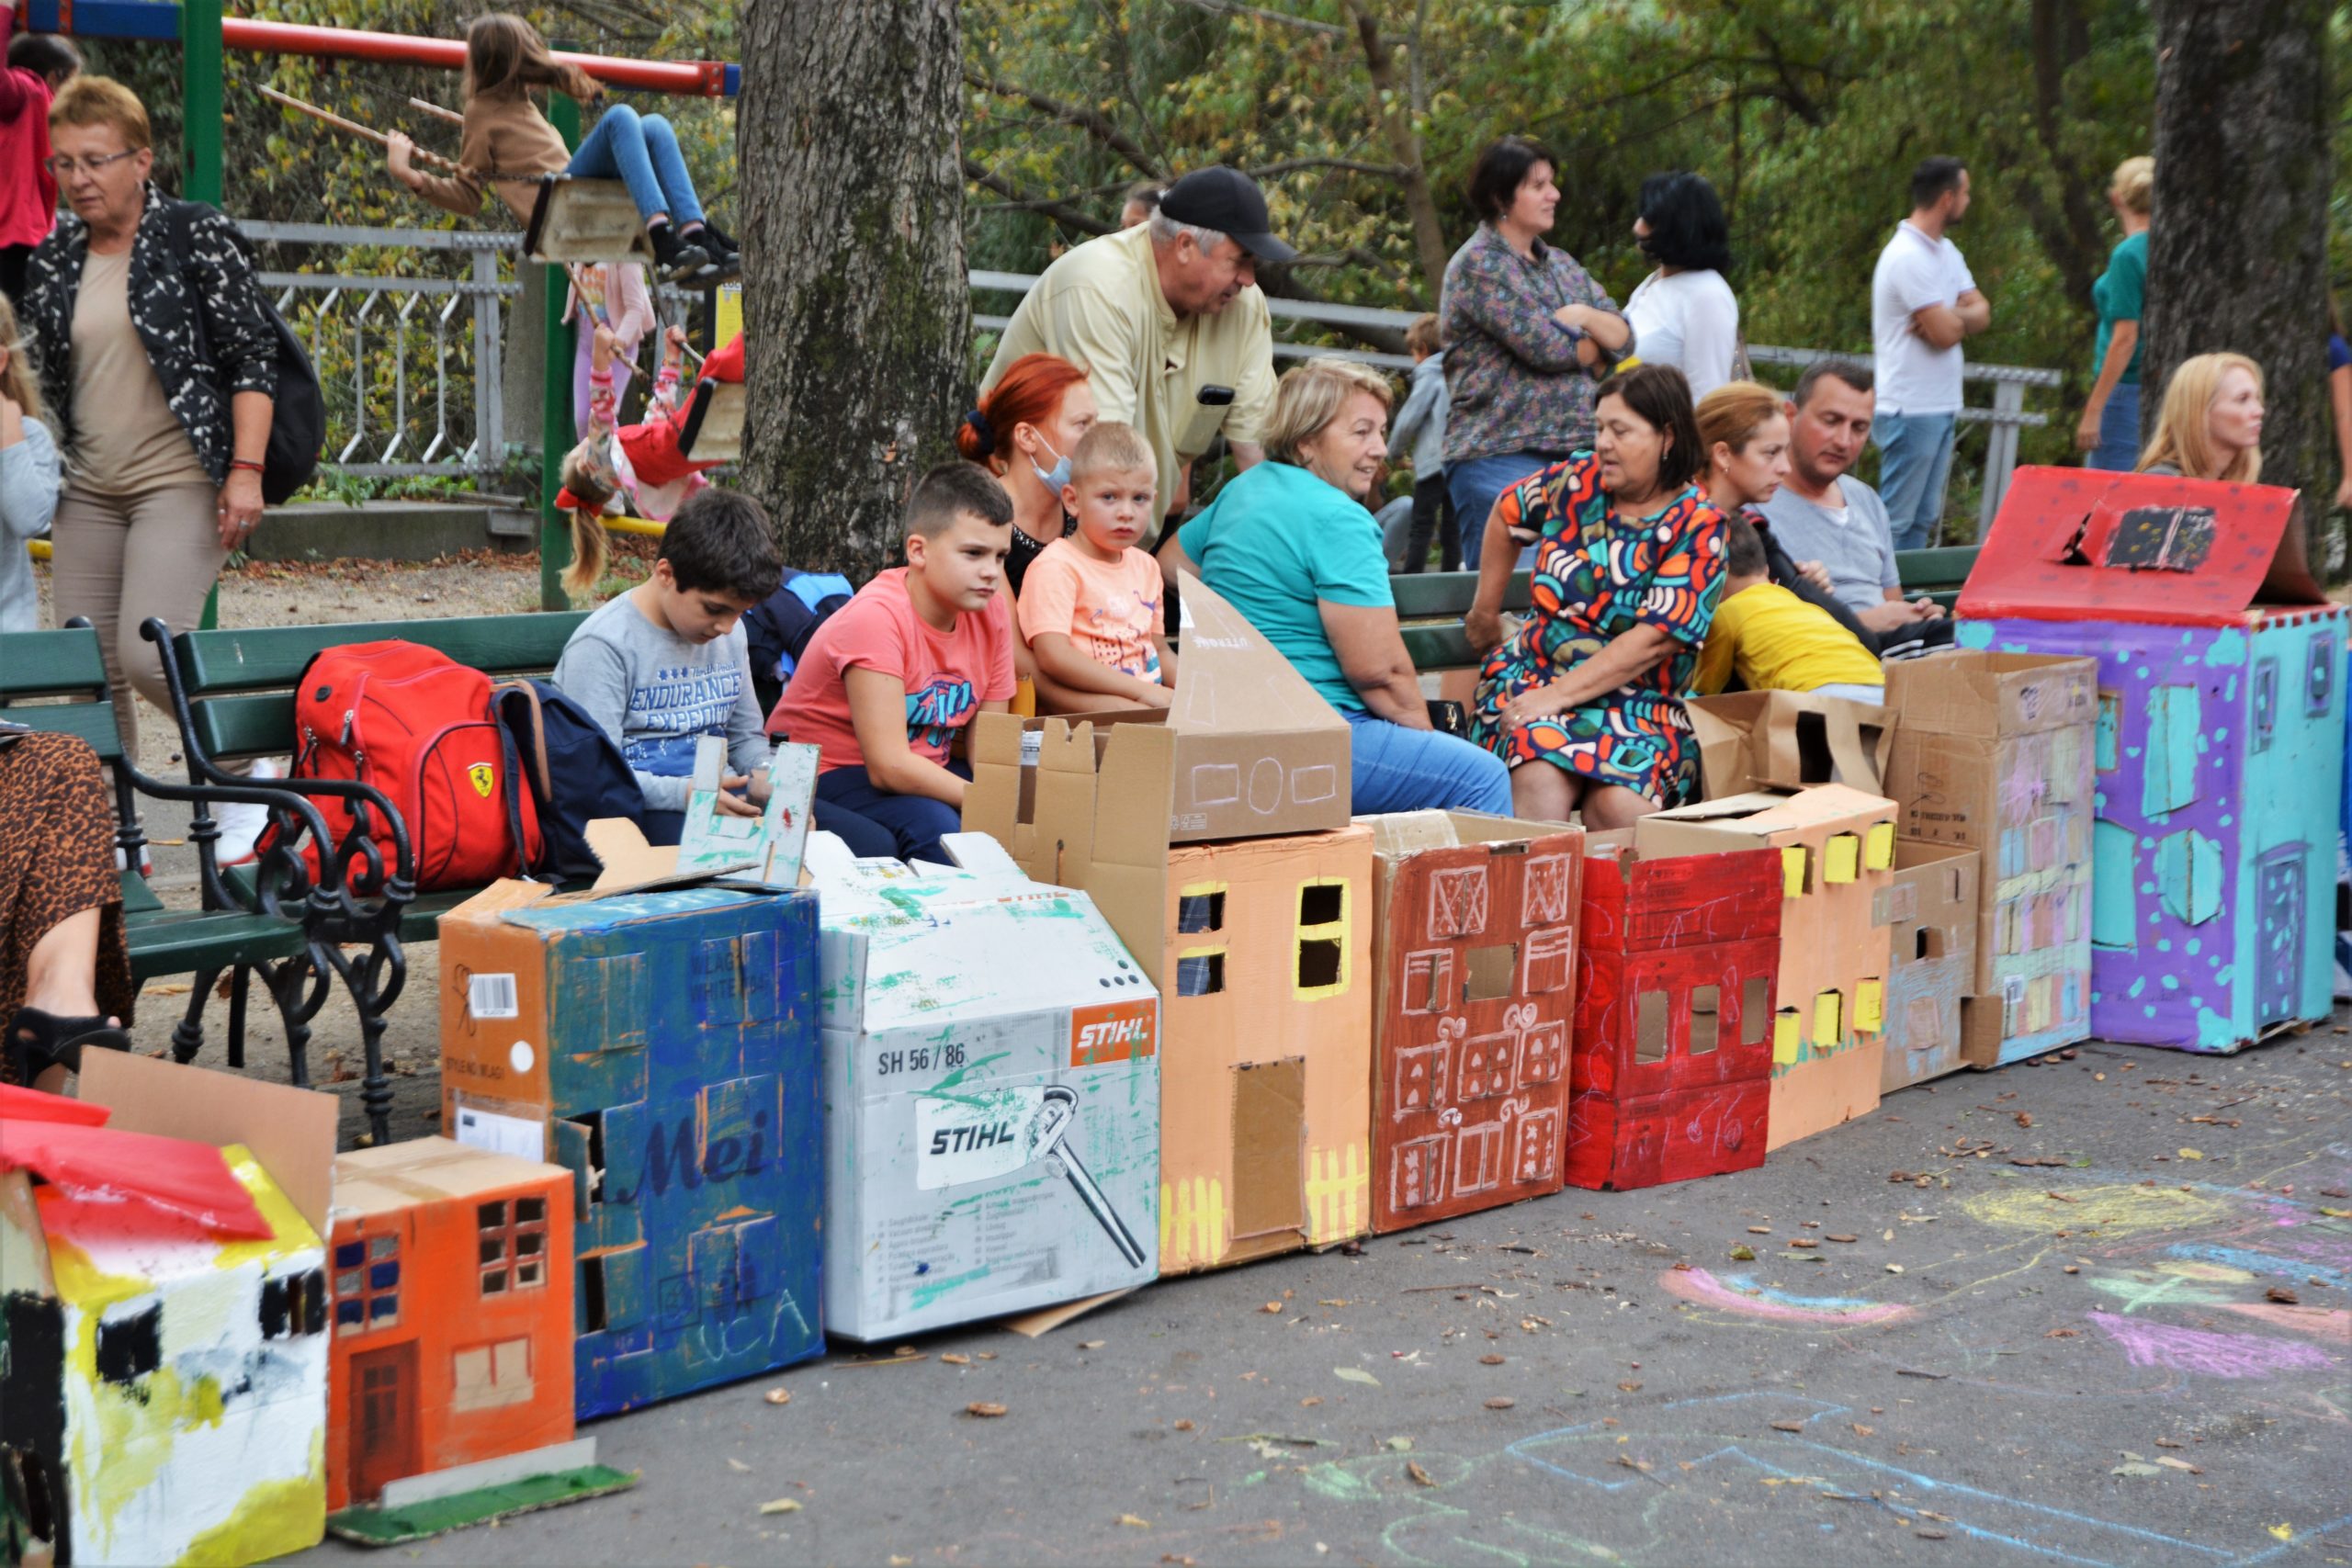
<point x="1230" y="202"/>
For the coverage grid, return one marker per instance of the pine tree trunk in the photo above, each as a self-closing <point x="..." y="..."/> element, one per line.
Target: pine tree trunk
<point x="856" y="306"/>
<point x="2238" y="249"/>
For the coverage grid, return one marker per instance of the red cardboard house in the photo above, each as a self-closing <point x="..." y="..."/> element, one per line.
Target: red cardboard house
<point x="1672" y="1063"/>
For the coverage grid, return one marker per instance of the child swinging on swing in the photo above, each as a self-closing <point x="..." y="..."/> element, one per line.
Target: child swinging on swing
<point x="508" y="144"/>
<point x="643" y="467"/>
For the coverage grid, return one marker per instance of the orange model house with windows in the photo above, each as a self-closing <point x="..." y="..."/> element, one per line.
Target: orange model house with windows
<point x="450" y="1273"/>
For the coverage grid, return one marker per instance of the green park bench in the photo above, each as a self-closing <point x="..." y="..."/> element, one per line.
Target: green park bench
<point x="234" y="692"/>
<point x="281" y="925"/>
<point x="1430" y="605"/>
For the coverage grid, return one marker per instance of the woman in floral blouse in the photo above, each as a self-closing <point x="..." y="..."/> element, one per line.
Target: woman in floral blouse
<point x="1526" y="331"/>
<point x="1584" y="698"/>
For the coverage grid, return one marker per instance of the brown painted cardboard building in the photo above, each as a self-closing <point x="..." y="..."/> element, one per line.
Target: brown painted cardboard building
<point x="1929" y="910"/>
<point x="1475" y="961"/>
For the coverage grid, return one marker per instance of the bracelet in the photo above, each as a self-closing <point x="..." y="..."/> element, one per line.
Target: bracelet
<point x="247" y="464"/>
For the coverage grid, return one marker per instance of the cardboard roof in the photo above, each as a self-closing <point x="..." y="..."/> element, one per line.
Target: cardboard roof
<point x="291" y="1130"/>
<point x="381" y="1180"/>
<point x="2080" y="544"/>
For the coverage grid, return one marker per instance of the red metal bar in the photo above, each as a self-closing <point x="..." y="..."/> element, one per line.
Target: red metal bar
<point x="692" y="78"/>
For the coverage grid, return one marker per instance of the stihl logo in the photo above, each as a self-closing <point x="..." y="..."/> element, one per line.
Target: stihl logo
<point x="969" y="1140"/>
<point x="1118" y="1032"/>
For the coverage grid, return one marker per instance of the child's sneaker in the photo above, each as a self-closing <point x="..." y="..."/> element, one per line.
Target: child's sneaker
<point x="680" y="260"/>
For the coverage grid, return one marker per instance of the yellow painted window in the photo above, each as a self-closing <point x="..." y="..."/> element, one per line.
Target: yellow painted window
<point x="1792" y="872"/>
<point x="1828" y="1020"/>
<point x="1323" y="950"/>
<point x="1878" y="850"/>
<point x="1870" y="1007"/>
<point x="1841" y="858"/>
<point x="1788" y="1036"/>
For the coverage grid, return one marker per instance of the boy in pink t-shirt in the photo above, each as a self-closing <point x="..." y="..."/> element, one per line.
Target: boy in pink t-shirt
<point x="886" y="684"/>
<point x="1091" y="606"/>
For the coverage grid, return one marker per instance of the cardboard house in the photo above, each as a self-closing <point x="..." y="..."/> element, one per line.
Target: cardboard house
<point x="992" y="1094"/>
<point x="1836" y="850"/>
<point x="2218" y="751"/>
<point x="1992" y="753"/>
<point x="1473" y="985"/>
<point x="1930" y="909"/>
<point x="663" y="1048"/>
<point x="163" y="1318"/>
<point x="1672" y="1066"/>
<point x="450" y="1306"/>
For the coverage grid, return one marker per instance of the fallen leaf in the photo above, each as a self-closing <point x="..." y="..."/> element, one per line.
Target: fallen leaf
<point x="956" y="1359"/>
<point x="902" y="1563"/>
<point x="1311" y="1400"/>
<point x="737" y="1466"/>
<point x="901" y="1359"/>
<point x="1399" y="1445"/>
<point x="168" y="988"/>
<point x="1629" y="1388"/>
<point x="1420" y="1477"/>
<point x="778" y="1396"/>
<point x="1844" y="1238"/>
<point x="1501" y="1402"/>
<point x="1759" y="1230"/>
<point x="1802" y="1241"/>
<point x="2135" y="1467"/>
<point x="1092" y="1344"/>
<point x="2060" y="1197"/>
<point x="2282" y="1532"/>
<point x="781" y="1506"/>
<point x="1894" y="1267"/>
<point x="2338" y="1213"/>
<point x="1355" y="1374"/>
<point x="2171" y="1464"/>
<point x="2062" y="1334"/>
<point x="1132" y="1522"/>
<point x="1491" y="1360"/>
<point x="1179" y="1561"/>
<point x="2281" y="1294"/>
<point x="984" y="1355"/>
<point x="1928" y="1534"/>
<point x="1184" y="1426"/>
<point x="2170" y="1443"/>
<point x="1787" y="1426"/>
<point x="2024" y="1118"/>
<point x="1743" y="1254"/>
<point x="2190" y="1153"/>
<point x="1271" y="1306"/>
<point x="1862" y="1432"/>
<point x="983" y="1407"/>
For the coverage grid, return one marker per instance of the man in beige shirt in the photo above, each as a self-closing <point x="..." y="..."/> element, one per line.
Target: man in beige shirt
<point x="1167" y="320"/>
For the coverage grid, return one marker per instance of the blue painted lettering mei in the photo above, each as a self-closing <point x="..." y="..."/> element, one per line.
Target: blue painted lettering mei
<point x="669" y="1158"/>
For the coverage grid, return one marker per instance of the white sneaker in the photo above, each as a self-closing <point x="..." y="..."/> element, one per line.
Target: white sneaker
<point x="241" y="821"/>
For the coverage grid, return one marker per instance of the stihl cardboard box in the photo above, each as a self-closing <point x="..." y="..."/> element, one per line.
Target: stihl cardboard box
<point x="1673" y="1044"/>
<point x="2218" y="753"/>
<point x="992" y="1094"/>
<point x="162" y="1316"/>
<point x="1993" y="752"/>
<point x="663" y="1047"/>
<point x="1929" y="912"/>
<point x="1837" y="848"/>
<point x="1266" y="1071"/>
<point x="452" y="1310"/>
<point x="1474" y="973"/>
<point x="1750" y="741"/>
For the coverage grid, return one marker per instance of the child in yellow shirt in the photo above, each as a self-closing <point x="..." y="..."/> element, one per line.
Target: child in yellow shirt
<point x="1091" y="604"/>
<point x="1774" y="641"/>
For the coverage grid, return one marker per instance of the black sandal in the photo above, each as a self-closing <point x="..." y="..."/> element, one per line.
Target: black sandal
<point x="39" y="1041"/>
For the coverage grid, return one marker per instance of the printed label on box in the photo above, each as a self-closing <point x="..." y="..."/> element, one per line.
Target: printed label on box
<point x="497" y="1132"/>
<point x="982" y="1136"/>
<point x="492" y="996"/>
<point x="1116" y="1031"/>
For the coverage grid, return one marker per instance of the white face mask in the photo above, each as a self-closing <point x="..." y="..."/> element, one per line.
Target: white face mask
<point x="1059" y="476"/>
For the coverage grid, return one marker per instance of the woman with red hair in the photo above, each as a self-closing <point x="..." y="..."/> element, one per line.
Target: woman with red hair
<point x="1024" y="433"/>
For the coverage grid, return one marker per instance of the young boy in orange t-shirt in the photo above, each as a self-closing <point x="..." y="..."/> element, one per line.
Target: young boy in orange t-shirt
<point x="1091" y="606"/>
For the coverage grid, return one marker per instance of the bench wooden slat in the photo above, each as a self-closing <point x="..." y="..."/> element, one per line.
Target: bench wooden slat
<point x="270" y="657"/>
<point x="1426" y="596"/>
<point x="93" y="722"/>
<point x="51" y="664"/>
<point x="1947" y="568"/>
<point x="1441" y="646"/>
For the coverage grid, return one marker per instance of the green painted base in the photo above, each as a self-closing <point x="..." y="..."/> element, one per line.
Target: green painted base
<point x="419" y="1521"/>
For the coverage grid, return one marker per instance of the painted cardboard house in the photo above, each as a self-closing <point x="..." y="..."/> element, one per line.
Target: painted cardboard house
<point x="2219" y="743"/>
<point x="450" y="1302"/>
<point x="1836" y="850"/>
<point x="663" y="1048"/>
<point x="992" y="1094"/>
<point x="1474" y="981"/>
<point x="1930" y="909"/>
<point x="164" y="1358"/>
<point x="1993" y="752"/>
<point x="1672" y="1066"/>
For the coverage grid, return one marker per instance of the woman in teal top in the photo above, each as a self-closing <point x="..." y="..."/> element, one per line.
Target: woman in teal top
<point x="2110" y="431"/>
<point x="1291" y="546"/>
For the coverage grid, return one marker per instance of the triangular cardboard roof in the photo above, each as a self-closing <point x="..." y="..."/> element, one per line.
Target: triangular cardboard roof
<point x="2084" y="544"/>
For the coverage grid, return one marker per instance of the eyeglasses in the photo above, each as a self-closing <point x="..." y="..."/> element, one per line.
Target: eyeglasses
<point x="63" y="168"/>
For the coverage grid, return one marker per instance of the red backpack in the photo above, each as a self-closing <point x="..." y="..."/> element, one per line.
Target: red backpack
<point x="419" y="727"/>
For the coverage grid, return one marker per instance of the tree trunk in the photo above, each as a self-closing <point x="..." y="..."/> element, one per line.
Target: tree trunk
<point x="2238" y="251"/>
<point x="1392" y="106"/>
<point x="855" y="302"/>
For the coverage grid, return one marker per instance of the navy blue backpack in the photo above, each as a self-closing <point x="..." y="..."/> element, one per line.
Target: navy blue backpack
<point x="575" y="772"/>
<point x="779" y="626"/>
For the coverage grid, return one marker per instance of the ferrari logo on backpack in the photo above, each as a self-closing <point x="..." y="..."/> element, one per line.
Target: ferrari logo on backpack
<point x="485" y="777"/>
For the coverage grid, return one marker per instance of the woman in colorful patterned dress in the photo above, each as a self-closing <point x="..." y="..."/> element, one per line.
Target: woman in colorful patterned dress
<point x="1584" y="698"/>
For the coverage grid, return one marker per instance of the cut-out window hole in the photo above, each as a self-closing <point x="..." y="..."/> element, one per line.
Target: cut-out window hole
<point x="592" y="1294"/>
<point x="1649" y="1027"/>
<point x="1490" y="972"/>
<point x="1755" y="1010"/>
<point x="1706" y="1020"/>
<point x="1203" y="974"/>
<point x="1319" y="963"/>
<point x="1197" y="912"/>
<point x="1927" y="942"/>
<point x="1321" y="903"/>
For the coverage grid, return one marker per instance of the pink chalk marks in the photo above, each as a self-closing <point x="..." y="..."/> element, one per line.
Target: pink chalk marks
<point x="2236" y="1356"/>
<point x="1739" y="1294"/>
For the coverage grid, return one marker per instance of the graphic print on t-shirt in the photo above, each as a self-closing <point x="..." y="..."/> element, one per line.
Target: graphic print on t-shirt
<point x="938" y="711"/>
<point x="678" y="703"/>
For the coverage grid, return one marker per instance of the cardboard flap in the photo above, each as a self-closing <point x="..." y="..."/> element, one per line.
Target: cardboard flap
<point x="291" y="1130"/>
<point x="1232" y="681"/>
<point x="632" y="865"/>
<point x="506" y="893"/>
<point x="1400" y="833"/>
<point x="1989" y="695"/>
<point x="2080" y="544"/>
<point x="1788" y="741"/>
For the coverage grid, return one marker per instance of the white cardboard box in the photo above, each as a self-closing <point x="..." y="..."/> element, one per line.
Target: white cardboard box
<point x="991" y="1094"/>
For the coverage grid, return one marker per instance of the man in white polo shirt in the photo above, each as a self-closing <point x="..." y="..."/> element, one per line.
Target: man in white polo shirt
<point x="1167" y="320"/>
<point x="1923" y="302"/>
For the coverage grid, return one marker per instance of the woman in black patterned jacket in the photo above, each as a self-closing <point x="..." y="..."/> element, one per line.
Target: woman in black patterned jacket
<point x="159" y="357"/>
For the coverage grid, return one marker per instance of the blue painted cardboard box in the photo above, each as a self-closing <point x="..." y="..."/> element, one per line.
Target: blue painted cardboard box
<point x="664" y="1047"/>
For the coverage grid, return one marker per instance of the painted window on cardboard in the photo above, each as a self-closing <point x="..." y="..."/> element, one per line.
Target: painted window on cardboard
<point x="2161" y="538"/>
<point x="2319" y="676"/>
<point x="1457" y="903"/>
<point x="129" y="1348"/>
<point x="1199" y="908"/>
<point x="2176" y="740"/>
<point x="2111" y="730"/>
<point x="2266" y="702"/>
<point x="493" y="1374"/>
<point x="367" y="1285"/>
<point x="1322" y="938"/>
<point x="1201" y="971"/>
<point x="1429" y="980"/>
<point x="514" y="1245"/>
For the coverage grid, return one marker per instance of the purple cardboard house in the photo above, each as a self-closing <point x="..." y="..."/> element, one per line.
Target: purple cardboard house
<point x="2221" y="739"/>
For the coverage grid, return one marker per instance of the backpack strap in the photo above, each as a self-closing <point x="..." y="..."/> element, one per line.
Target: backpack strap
<point x="526" y="694"/>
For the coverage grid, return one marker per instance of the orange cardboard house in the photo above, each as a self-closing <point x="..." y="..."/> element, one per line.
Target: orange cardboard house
<point x="1475" y="971"/>
<point x="450" y="1273"/>
<point x="1929" y="912"/>
<point x="1836" y="848"/>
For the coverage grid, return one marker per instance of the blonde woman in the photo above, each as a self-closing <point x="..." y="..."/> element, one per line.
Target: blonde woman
<point x="2110" y="430"/>
<point x="2210" y="427"/>
<point x="28" y="475"/>
<point x="1292" y="544"/>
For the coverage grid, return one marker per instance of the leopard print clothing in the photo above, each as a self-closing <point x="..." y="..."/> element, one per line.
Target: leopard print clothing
<point x="57" y="859"/>
<point x="206" y="327"/>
